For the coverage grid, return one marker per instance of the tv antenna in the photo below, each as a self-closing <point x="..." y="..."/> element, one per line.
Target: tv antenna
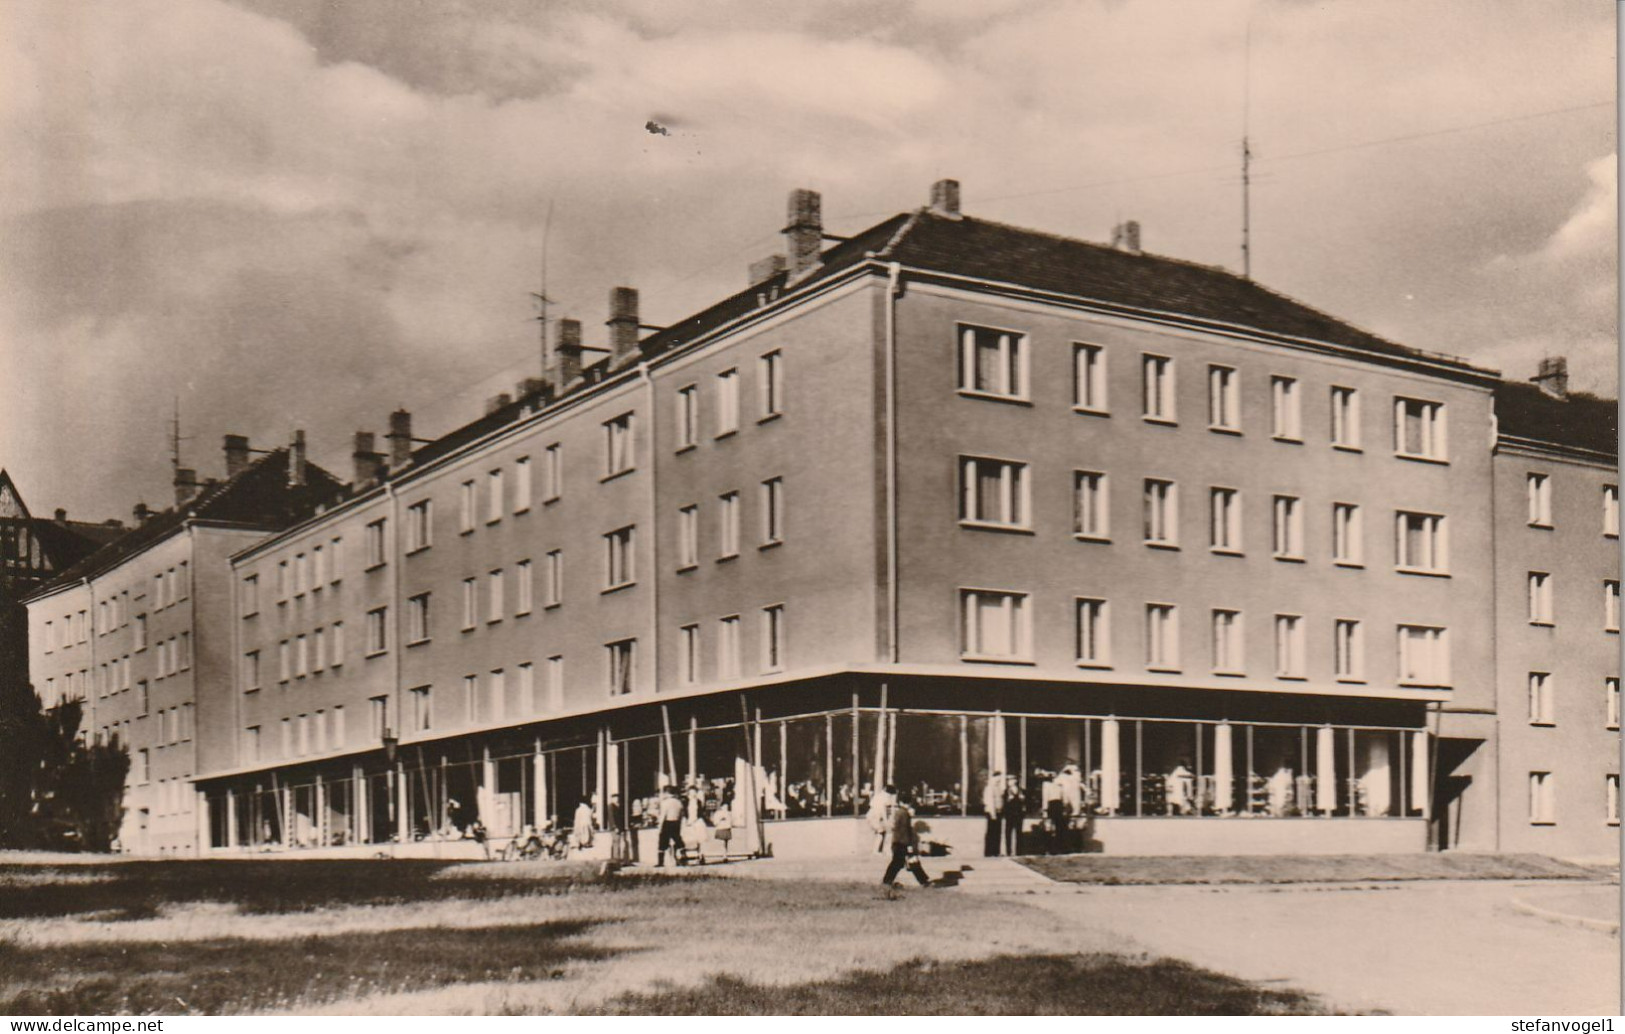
<point x="175" y="437"/>
<point x="542" y="300"/>
<point x="1247" y="152"/>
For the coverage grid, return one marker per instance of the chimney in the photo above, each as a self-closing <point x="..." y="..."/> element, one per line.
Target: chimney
<point x="496" y="402"/>
<point x="400" y="439"/>
<point x="805" y="232"/>
<point x="1553" y="377"/>
<point x="236" y="455"/>
<point x="765" y="269"/>
<point x="369" y="462"/>
<point x="296" y="460"/>
<point x="141" y="513"/>
<point x="622" y="323"/>
<point x="61" y="515"/>
<point x="186" y="485"/>
<point x="1126" y="237"/>
<point x="530" y="387"/>
<point x="565" y="364"/>
<point x="945" y="198"/>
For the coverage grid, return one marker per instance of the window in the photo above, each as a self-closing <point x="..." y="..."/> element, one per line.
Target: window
<point x="494" y="596"/>
<point x="141" y="631"/>
<point x="1424" y="656"/>
<point x="471" y="604"/>
<point x="619" y="555"/>
<point x="251" y="671"/>
<point x="1289" y="646"/>
<point x="772" y="511"/>
<point x="1089" y="505"/>
<point x="251" y="599"/>
<point x="1419" y="429"/>
<point x="417" y="619"/>
<point x="417" y="526"/>
<point x="1542" y="708"/>
<point x="1089" y="378"/>
<point x="339" y="739"/>
<point x="1157" y="373"/>
<point x="186" y="637"/>
<point x="375" y="544"/>
<point x="467" y="506"/>
<point x="1228" y="651"/>
<point x="1610" y="691"/>
<point x="773" y="638"/>
<point x="318" y="569"/>
<point x="527" y="688"/>
<point x="1610" y="606"/>
<point x="1094" y="634"/>
<point x="422" y="703"/>
<point x="301" y="574"/>
<point x="992" y="362"/>
<point x="141" y="769"/>
<point x="1610" y="511"/>
<point x="1540" y="500"/>
<point x="493" y="496"/>
<point x="1161" y="637"/>
<point x="284" y="661"/>
<point x="251" y="744"/>
<point x="304" y="735"/>
<point x="498" y="692"/>
<point x="338" y="643"/>
<point x="689" y="662"/>
<point x="521" y="484"/>
<point x="688" y="537"/>
<point x="1161" y="513"/>
<point x="522" y="588"/>
<point x="1348" y="650"/>
<point x="378" y="716"/>
<point x="1611" y="796"/>
<point x="1224" y="520"/>
<point x="622" y="662"/>
<point x="996" y="626"/>
<point x="338" y="573"/>
<point x="301" y="657"/>
<point x="1223" y="399"/>
<point x="1542" y="799"/>
<point x="1287" y="413"/>
<point x="1540" y="598"/>
<point x="729" y="526"/>
<point x="728" y="647"/>
<point x="1421" y="542"/>
<point x="1346" y="535"/>
<point x="318" y="652"/>
<point x="183" y="582"/>
<point x="160" y="601"/>
<point x="688" y="417"/>
<point x="320" y="723"/>
<point x="554" y="585"/>
<point x="555" y="682"/>
<point x="287" y="737"/>
<point x="552" y="473"/>
<point x="618" y="450"/>
<point x="727" y="402"/>
<point x="771" y="370"/>
<point x="377" y="631"/>
<point x="1345" y="418"/>
<point x="993" y="492"/>
<point x="1288" y="528"/>
<point x="471" y="692"/>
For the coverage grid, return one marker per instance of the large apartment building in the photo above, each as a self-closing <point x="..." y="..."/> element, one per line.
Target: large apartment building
<point x="944" y="499"/>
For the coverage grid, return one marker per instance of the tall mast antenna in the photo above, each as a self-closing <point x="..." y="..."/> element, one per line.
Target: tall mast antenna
<point x="542" y="300"/>
<point x="175" y="437"/>
<point x="1247" y="152"/>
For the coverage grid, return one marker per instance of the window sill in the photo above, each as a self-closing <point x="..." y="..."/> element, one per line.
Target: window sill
<point x="768" y="418"/>
<point x="494" y="520"/>
<point x="1422" y="572"/>
<point x="978" y="658"/>
<point x="1611" y="631"/>
<point x="1094" y="666"/>
<point x="1406" y="684"/>
<point x="1286" y="439"/>
<point x="521" y="509"/>
<point x="410" y="552"/>
<point x="465" y="532"/>
<point x="1090" y="411"/>
<point x="369" y="569"/>
<point x="617" y="474"/>
<point x="1164" y="670"/>
<point x="1288" y="558"/>
<point x="1170" y="546"/>
<point x="1542" y="526"/>
<point x="521" y="613"/>
<point x="419" y="642"/>
<point x="720" y="435"/>
<point x="728" y="557"/>
<point x="493" y="621"/>
<point x="1014" y="529"/>
<point x="1338" y="447"/>
<point x="1543" y="724"/>
<point x="613" y="588"/>
<point x="1217" y="551"/>
<point x="1231" y="674"/>
<point x="551" y="501"/>
<point x="687" y="568"/>
<point x="1160" y="421"/>
<point x="690" y="447"/>
<point x="1543" y="822"/>
<point x="1543" y="624"/>
<point x="993" y="396"/>
<point x="1092" y="538"/>
<point x="1234" y="432"/>
<point x="1419" y="458"/>
<point x="465" y="630"/>
<point x="1350" y="680"/>
<point x="1610" y="534"/>
<point x="770" y="545"/>
<point x="1353" y="565"/>
<point x="1291" y="678"/>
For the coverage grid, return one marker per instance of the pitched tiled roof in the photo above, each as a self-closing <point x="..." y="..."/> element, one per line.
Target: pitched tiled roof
<point x="1579" y="420"/>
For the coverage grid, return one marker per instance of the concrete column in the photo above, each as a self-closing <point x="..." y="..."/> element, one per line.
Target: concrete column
<point x="1325" y="770"/>
<point x="204" y="839"/>
<point x="231" y="818"/>
<point x="1111" y="796"/>
<point x="538" y="803"/>
<point x="288" y="818"/>
<point x="1223" y="770"/>
<point x="403" y="819"/>
<point x="1421" y="781"/>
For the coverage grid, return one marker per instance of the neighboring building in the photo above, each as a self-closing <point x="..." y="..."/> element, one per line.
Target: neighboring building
<point x="138" y="628"/>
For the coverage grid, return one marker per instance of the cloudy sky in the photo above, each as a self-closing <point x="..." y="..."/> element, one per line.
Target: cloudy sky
<point x="305" y="213"/>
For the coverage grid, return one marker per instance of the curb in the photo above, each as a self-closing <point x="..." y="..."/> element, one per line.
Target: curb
<point x="1600" y="925"/>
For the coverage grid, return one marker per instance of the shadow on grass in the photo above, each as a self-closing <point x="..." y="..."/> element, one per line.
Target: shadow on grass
<point x="1049" y="985"/>
<point x="233" y="975"/>
<point x="140" y="890"/>
<point x="1126" y="870"/>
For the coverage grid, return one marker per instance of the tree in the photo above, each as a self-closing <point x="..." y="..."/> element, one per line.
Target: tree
<point x="56" y="789"/>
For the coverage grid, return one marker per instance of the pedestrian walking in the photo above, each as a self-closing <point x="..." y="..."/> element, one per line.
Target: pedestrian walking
<point x="670" y="810"/>
<point x="905" y="845"/>
<point x="993" y="808"/>
<point x="1013" y="812"/>
<point x="581" y="833"/>
<point x="1054" y="811"/>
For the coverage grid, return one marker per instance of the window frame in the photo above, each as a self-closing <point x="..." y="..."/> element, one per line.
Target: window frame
<point x="1089" y="380"/>
<point x="1014" y="380"/>
<point x="1223" y="399"/>
<point x="1434" y="430"/>
<point x="1158" y="398"/>
<point x="1014" y="494"/>
<point x="1099" y="633"/>
<point x="973" y="636"/>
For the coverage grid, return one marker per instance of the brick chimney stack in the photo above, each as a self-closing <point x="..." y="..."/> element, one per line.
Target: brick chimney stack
<point x="141" y="513"/>
<point x="804" y="234"/>
<point x="1553" y="377"/>
<point x="1126" y="237"/>
<point x="186" y="485"/>
<point x="296" y="460"/>
<point x="236" y="449"/>
<point x="368" y="461"/>
<point x="623" y="324"/>
<point x="565" y="364"/>
<point x="945" y="198"/>
<point x="400" y="439"/>
<point x="61" y="515"/>
<point x="765" y="269"/>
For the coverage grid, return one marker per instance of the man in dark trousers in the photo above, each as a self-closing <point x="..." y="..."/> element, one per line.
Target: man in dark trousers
<point x="905" y="844"/>
<point x="993" y="807"/>
<point x="1015" y="813"/>
<point x="671" y="828"/>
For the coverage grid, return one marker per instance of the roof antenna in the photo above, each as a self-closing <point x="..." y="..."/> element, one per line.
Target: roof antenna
<point x="542" y="300"/>
<point x="1247" y="153"/>
<point x="175" y="438"/>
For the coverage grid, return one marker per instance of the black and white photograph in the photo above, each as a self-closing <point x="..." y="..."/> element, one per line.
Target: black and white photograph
<point x="588" y="508"/>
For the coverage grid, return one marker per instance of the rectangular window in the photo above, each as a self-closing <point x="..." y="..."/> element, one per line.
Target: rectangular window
<point x="417" y="619"/>
<point x="471" y="604"/>
<point x="1288" y="513"/>
<point x="688" y="537"/>
<point x="729" y="526"/>
<point x="1161" y="637"/>
<point x="527" y="688"/>
<point x="688" y="417"/>
<point x="771" y="370"/>
<point x="417" y="526"/>
<point x="301" y="574"/>
<point x="1540" y="598"/>
<point x="471" y="692"/>
<point x="1286" y="411"/>
<point x="286" y="729"/>
<point x="554" y="585"/>
<point x="552" y="473"/>
<point x="1419" y="429"/>
<point x="378" y="715"/>
<point x="1094" y="634"/>
<point x="320" y="723"/>
<point x="773" y="638"/>
<point x="993" y="492"/>
<point x="619" y="569"/>
<point x="422" y="703"/>
<point x="318" y="569"/>
<point x="495" y="586"/>
<point x="141" y="769"/>
<point x="1421" y="542"/>
<point x="728" y="648"/>
<point x="251" y="744"/>
<point x="1542" y="708"/>
<point x="493" y="496"/>
<point x="375" y="544"/>
<point x="1610" y="692"/>
<point x="338" y="567"/>
<point x="339" y="739"/>
<point x="1540" y="500"/>
<point x="995" y="626"/>
<point x="622" y="666"/>
<point x="1228" y="651"/>
<point x="251" y="598"/>
<point x="1161" y="512"/>
<point x="1224" y="520"/>
<point x="304" y="735"/>
<point x="1223" y="398"/>
<point x="301" y="658"/>
<point x="1610" y="606"/>
<point x="1348" y="651"/>
<point x="468" y="502"/>
<point x="1610" y="788"/>
<point x="521" y="484"/>
<point x="555" y="682"/>
<point x="727" y="402"/>
<point x="1089" y="377"/>
<point x="1347" y="535"/>
<point x="251" y="671"/>
<point x="284" y="660"/>
<point x="992" y="362"/>
<point x="523" y="589"/>
<point x="141" y="631"/>
<point x="338" y="643"/>
<point x="688" y="672"/>
<point x="377" y="631"/>
<point x="1542" y="799"/>
<point x="1424" y="656"/>
<point x="318" y="650"/>
<point x="1089" y="505"/>
<point x="1157" y="394"/>
<point x="497" y="686"/>
<point x="618" y="445"/>
<point x="1610" y="511"/>
<point x="1345" y="418"/>
<point x="772" y="511"/>
<point x="1289" y="646"/>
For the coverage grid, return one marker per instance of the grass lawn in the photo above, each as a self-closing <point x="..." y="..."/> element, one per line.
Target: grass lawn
<point x="1130" y="871"/>
<point x="410" y="937"/>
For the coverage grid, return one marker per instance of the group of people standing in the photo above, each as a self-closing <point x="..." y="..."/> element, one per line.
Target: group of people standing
<point x="1004" y="803"/>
